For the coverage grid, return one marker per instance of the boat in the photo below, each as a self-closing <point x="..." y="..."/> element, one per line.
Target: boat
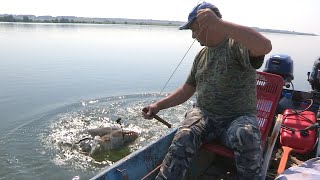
<point x="214" y="161"/>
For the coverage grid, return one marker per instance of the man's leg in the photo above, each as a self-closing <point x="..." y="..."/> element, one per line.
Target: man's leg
<point x="243" y="136"/>
<point x="185" y="144"/>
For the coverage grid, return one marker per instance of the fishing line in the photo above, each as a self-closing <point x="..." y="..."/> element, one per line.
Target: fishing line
<point x="181" y="61"/>
<point x="157" y="97"/>
<point x="175" y="69"/>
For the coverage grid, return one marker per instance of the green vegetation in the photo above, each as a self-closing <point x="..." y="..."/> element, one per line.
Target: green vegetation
<point x="10" y="18"/>
<point x="73" y="19"/>
<point x="49" y="19"/>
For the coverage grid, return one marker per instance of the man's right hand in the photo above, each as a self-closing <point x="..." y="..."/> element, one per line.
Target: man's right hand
<point x="152" y="110"/>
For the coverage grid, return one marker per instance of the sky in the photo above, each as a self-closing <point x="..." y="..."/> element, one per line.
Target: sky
<point x="292" y="15"/>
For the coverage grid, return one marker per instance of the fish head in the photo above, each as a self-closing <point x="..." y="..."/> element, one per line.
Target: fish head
<point x="129" y="136"/>
<point x="119" y="138"/>
<point x="85" y="146"/>
<point x="123" y="136"/>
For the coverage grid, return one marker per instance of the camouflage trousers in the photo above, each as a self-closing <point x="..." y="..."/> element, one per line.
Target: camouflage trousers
<point x="241" y="134"/>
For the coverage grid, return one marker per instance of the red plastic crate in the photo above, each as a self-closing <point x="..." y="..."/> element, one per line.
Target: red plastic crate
<point x="269" y="87"/>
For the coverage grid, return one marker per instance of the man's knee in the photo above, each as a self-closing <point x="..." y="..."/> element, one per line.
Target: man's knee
<point x="186" y="139"/>
<point x="244" y="134"/>
<point x="245" y="139"/>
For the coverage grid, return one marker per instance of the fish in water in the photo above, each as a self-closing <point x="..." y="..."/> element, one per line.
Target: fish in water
<point x="106" y="138"/>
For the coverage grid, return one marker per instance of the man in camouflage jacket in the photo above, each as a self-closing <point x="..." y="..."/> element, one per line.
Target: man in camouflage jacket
<point x="223" y="76"/>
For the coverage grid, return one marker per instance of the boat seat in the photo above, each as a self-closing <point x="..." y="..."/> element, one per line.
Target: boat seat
<point x="269" y="88"/>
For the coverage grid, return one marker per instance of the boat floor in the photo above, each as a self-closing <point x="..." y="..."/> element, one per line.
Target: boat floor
<point x="217" y="167"/>
<point x="208" y="166"/>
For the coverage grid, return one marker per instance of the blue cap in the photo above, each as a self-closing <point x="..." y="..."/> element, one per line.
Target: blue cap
<point x="193" y="14"/>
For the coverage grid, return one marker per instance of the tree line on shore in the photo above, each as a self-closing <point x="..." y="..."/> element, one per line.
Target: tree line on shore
<point x="11" y="18"/>
<point x="72" y="19"/>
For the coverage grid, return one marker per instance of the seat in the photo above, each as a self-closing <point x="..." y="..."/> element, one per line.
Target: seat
<point x="269" y="88"/>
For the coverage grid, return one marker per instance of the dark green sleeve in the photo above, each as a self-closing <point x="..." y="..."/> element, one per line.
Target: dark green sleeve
<point x="191" y="80"/>
<point x="256" y="62"/>
<point x="243" y="55"/>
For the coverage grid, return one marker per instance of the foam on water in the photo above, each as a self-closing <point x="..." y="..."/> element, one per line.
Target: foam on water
<point x="65" y="129"/>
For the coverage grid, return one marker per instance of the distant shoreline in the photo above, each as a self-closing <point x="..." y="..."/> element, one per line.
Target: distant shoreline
<point x="85" y="20"/>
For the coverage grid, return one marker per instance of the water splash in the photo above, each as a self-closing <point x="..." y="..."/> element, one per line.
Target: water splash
<point x="69" y="127"/>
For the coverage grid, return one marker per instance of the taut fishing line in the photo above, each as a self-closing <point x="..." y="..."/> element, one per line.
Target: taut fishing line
<point x="179" y="62"/>
<point x="145" y="109"/>
<point x="175" y="69"/>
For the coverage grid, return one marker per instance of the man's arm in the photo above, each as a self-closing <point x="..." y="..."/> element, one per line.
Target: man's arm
<point x="255" y="42"/>
<point x="179" y="96"/>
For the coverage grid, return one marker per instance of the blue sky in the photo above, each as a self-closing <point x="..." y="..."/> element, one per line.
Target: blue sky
<point x="293" y="15"/>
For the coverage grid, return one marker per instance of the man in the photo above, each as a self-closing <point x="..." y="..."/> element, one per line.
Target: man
<point x="224" y="76"/>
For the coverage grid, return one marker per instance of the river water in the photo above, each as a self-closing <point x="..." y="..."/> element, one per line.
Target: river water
<point x="57" y="80"/>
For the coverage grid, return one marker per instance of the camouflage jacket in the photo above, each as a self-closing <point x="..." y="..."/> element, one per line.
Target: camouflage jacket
<point x="225" y="79"/>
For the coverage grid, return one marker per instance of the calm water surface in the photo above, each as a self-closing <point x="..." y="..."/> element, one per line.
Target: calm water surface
<point x="59" y="79"/>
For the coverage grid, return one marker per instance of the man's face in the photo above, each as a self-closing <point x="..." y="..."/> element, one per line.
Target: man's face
<point x="199" y="34"/>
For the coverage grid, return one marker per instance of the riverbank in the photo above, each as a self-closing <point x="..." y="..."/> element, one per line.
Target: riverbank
<point x="89" y="20"/>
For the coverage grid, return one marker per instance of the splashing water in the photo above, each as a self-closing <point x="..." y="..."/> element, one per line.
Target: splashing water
<point x="68" y="128"/>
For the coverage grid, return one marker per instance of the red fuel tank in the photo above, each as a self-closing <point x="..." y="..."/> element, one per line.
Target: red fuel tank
<point x="291" y="136"/>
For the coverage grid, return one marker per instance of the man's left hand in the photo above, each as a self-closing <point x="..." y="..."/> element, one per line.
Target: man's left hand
<point x="207" y="18"/>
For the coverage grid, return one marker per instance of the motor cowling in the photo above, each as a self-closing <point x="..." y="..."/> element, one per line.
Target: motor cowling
<point x="314" y="77"/>
<point x="282" y="65"/>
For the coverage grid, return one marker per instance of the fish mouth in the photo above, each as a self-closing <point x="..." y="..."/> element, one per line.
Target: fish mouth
<point x="130" y="134"/>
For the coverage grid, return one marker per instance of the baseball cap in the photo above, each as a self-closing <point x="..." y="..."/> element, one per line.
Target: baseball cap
<point x="193" y="14"/>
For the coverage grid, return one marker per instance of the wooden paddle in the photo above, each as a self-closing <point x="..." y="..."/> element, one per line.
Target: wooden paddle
<point x="284" y="159"/>
<point x="158" y="118"/>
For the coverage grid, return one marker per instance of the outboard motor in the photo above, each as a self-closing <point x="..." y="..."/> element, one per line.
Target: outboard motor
<point x="314" y="77"/>
<point x="282" y="65"/>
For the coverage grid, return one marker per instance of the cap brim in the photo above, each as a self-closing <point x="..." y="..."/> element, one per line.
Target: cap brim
<point x="187" y="24"/>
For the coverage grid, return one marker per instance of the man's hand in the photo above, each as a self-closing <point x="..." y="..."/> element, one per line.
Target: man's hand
<point x="207" y="18"/>
<point x="152" y="110"/>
